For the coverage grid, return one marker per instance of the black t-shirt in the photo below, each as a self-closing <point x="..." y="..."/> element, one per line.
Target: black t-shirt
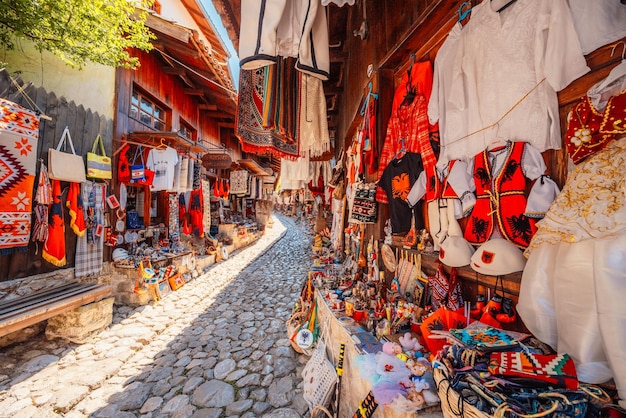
<point x="396" y="181"/>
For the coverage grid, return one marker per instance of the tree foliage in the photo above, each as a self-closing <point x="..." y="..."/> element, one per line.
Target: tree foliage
<point x="79" y="31"/>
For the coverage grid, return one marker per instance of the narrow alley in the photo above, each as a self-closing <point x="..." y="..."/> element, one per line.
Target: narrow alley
<point x="215" y="348"/>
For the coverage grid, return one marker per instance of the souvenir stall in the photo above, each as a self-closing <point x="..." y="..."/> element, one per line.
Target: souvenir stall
<point x="486" y="267"/>
<point x="159" y="201"/>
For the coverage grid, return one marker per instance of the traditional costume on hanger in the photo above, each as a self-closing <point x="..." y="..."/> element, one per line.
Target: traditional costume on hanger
<point x="196" y="212"/>
<point x="573" y="286"/>
<point x="499" y="180"/>
<point x="408" y="126"/>
<point x="508" y="68"/>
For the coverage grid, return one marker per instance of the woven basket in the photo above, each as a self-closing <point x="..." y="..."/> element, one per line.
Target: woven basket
<point x="452" y="405"/>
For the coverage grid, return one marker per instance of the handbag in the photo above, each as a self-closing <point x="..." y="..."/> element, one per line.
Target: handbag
<point x="63" y="165"/>
<point x="98" y="165"/>
<point x="137" y="169"/>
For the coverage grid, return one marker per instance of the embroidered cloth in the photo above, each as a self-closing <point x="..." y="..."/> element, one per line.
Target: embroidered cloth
<point x="19" y="133"/>
<point x="253" y="135"/>
<point x="89" y="247"/>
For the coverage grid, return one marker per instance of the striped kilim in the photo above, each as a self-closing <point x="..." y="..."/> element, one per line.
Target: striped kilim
<point x="553" y="369"/>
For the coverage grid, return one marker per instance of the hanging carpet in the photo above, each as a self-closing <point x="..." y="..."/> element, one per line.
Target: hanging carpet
<point x="266" y="112"/>
<point x="19" y="132"/>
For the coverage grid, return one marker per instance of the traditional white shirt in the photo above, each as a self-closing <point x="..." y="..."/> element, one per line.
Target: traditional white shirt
<point x="509" y="66"/>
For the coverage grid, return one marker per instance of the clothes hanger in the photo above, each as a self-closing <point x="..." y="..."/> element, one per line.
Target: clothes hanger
<point x="464" y="10"/>
<point x="401" y="151"/>
<point x="367" y="99"/>
<point x="163" y="145"/>
<point x="617" y="71"/>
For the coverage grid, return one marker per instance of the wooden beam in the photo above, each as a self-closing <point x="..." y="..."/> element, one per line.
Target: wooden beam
<point x="193" y="92"/>
<point x="173" y="70"/>
<point x="217" y="115"/>
<point x="229" y="125"/>
<point x="170" y="29"/>
<point x="207" y="107"/>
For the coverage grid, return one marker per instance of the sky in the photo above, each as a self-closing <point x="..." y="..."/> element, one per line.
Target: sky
<point x="216" y="21"/>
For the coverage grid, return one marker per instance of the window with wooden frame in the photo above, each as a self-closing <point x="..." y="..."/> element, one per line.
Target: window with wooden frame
<point x="148" y="111"/>
<point x="186" y="130"/>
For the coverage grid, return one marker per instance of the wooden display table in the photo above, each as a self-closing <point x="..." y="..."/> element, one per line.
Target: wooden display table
<point x="353" y="387"/>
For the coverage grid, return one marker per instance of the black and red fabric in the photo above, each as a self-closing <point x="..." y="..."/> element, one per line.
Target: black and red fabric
<point x="183" y="218"/>
<point x="196" y="211"/>
<point x="397" y="180"/>
<point x="500" y="200"/>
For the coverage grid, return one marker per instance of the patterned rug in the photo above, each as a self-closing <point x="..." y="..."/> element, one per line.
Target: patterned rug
<point x="279" y="139"/>
<point x="19" y="132"/>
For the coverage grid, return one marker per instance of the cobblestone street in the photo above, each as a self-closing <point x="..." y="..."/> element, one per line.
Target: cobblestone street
<point x="217" y="347"/>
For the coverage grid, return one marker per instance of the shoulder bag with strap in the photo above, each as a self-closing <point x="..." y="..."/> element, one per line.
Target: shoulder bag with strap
<point x="63" y="165"/>
<point x="98" y="165"/>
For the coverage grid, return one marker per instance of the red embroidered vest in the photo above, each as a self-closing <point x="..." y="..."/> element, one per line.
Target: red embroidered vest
<point x="500" y="200"/>
<point x="589" y="131"/>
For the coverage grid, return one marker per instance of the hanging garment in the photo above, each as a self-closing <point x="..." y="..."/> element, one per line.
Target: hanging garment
<point x="279" y="140"/>
<point x="408" y="127"/>
<point x="43" y="199"/>
<point x="440" y="109"/>
<point x="598" y="23"/>
<point x="500" y="180"/>
<point x="19" y="133"/>
<point x="313" y="124"/>
<point x="54" y="247"/>
<point x="163" y="163"/>
<point x="183" y="215"/>
<point x="571" y="296"/>
<point x="280" y="28"/>
<point x="590" y="129"/>
<point x="370" y="142"/>
<point x="173" y="226"/>
<point x="76" y="209"/>
<point x="512" y="63"/>
<point x="123" y="165"/>
<point x="396" y="181"/>
<point x="206" y="206"/>
<point x="90" y="246"/>
<point x="196" y="212"/>
<point x="184" y="175"/>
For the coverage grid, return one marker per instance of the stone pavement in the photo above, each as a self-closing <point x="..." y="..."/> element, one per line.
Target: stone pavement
<point x="217" y="347"/>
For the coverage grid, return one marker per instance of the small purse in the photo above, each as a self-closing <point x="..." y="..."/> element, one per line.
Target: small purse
<point x="98" y="165"/>
<point x="63" y="165"/>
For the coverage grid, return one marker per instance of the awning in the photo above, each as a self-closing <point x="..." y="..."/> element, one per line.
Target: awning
<point x="172" y="139"/>
<point x="254" y="168"/>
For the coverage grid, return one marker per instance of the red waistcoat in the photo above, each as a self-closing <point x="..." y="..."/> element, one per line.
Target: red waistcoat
<point x="500" y="200"/>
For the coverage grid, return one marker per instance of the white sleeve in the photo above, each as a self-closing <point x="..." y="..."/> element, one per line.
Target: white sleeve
<point x="460" y="179"/>
<point x="558" y="54"/>
<point x="532" y="162"/>
<point x="417" y="191"/>
<point x="541" y="196"/>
